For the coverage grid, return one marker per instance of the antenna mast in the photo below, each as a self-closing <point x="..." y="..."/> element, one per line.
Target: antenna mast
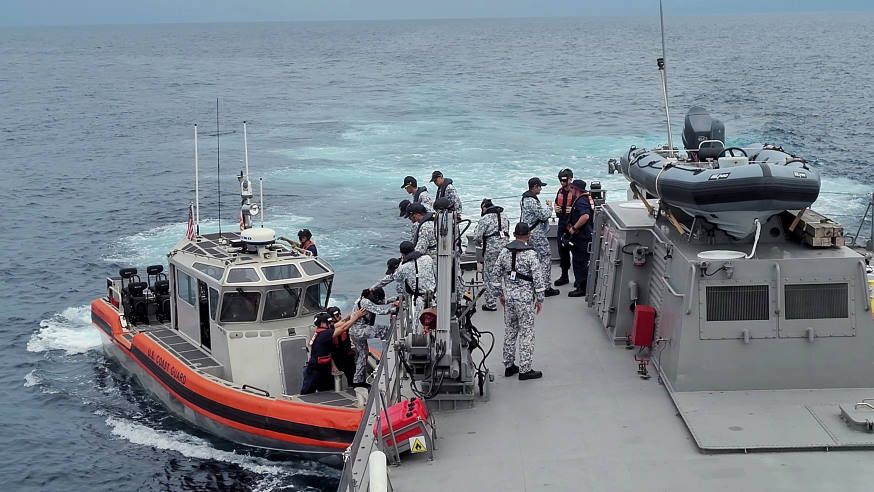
<point x="664" y="74"/>
<point x="196" y="186"/>
<point x="247" y="208"/>
<point x="218" y="166"/>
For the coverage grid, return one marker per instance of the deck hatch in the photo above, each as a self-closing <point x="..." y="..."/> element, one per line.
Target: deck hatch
<point x="816" y="301"/>
<point x="737" y="303"/>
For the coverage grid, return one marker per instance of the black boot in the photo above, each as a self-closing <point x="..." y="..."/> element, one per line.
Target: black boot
<point x="563" y="280"/>
<point x="578" y="292"/>
<point x="509" y="371"/>
<point x="531" y="374"/>
<point x="551" y="292"/>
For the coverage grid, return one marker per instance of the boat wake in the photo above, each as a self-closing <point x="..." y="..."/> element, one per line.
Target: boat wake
<point x="187" y="445"/>
<point x="273" y="474"/>
<point x="70" y="331"/>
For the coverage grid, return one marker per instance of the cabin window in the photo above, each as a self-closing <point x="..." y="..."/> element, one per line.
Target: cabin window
<point x="213" y="271"/>
<point x="213" y="302"/>
<point x="281" y="303"/>
<point x="316" y="297"/>
<point x="313" y="268"/>
<point x="186" y="288"/>
<point x="816" y="301"/>
<point x="281" y="272"/>
<point x="240" y="306"/>
<point x="243" y="275"/>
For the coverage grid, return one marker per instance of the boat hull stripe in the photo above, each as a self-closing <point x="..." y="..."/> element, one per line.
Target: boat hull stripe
<point x="101" y="323"/>
<point x="241" y="416"/>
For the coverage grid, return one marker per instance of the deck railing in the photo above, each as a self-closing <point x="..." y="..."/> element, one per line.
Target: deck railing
<point x="384" y="392"/>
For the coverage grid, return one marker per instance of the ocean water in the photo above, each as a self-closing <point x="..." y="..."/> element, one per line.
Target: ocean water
<point x="96" y="154"/>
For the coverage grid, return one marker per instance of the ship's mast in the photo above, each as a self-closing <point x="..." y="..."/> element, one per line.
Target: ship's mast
<point x="664" y="75"/>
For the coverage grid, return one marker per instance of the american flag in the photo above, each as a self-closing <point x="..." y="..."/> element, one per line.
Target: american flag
<point x="190" y="233"/>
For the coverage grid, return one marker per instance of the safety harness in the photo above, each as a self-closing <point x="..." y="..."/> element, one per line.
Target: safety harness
<point x="441" y="190"/>
<point x="408" y="258"/>
<point x="428" y="217"/>
<point x="515" y="247"/>
<point x="500" y="232"/>
<point x="418" y="192"/>
<point x="530" y="194"/>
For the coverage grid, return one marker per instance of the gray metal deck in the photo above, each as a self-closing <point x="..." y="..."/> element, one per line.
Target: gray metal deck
<point x="592" y="424"/>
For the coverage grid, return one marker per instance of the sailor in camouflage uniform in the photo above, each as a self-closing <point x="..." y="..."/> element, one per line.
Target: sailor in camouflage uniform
<point x="518" y="283"/>
<point x="414" y="276"/>
<point x="445" y="189"/>
<point x="420" y="193"/>
<point x="372" y="301"/>
<point x="424" y="230"/>
<point x="537" y="217"/>
<point x="491" y="234"/>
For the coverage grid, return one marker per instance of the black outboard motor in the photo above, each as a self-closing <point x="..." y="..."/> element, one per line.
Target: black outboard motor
<point x="698" y="127"/>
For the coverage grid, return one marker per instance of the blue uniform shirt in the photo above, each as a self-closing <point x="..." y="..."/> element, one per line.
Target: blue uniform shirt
<point x="582" y="206"/>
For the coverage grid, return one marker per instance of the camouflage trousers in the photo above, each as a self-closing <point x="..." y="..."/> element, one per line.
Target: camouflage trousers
<point x="359" y="333"/>
<point x="489" y="260"/>
<point x="541" y="246"/>
<point x="519" y="321"/>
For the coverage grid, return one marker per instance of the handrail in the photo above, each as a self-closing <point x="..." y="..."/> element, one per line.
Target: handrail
<point x="779" y="292"/>
<point x="691" y="288"/>
<point x="354" y="463"/>
<point x="864" y="286"/>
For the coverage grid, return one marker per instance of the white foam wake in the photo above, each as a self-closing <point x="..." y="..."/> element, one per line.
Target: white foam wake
<point x="31" y="379"/>
<point x="69" y="330"/>
<point x="186" y="445"/>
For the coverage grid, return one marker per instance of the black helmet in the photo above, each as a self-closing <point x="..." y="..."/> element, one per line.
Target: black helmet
<point x="565" y="175"/>
<point x="304" y="233"/>
<point x="486" y="203"/>
<point x="334" y="311"/>
<point x="322" y="317"/>
<point x="392" y="265"/>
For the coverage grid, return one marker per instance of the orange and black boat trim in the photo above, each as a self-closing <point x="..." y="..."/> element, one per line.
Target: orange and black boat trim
<point x="295" y="422"/>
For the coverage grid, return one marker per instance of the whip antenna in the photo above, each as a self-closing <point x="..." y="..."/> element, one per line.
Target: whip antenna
<point x="196" y="186"/>
<point x="664" y="74"/>
<point x="218" y="166"/>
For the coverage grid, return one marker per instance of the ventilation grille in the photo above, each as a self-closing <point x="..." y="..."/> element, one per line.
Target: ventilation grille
<point x="816" y="301"/>
<point x="737" y="303"/>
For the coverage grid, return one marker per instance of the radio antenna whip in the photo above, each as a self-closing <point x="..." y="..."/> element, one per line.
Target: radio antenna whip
<point x="664" y="74"/>
<point x="196" y="186"/>
<point x="218" y="166"/>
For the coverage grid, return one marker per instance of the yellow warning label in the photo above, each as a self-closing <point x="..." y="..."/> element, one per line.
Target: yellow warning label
<point x="417" y="444"/>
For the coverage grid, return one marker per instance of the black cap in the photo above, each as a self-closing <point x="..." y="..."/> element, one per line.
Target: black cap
<point x="320" y="318"/>
<point x="334" y="311"/>
<point x="416" y="208"/>
<point x="403" y="206"/>
<point x="408" y="181"/>
<point x="305" y="233"/>
<point x="435" y="175"/>
<point x="535" y="181"/>
<point x="565" y="175"/>
<point x="522" y="229"/>
<point x="579" y="184"/>
<point x="392" y="265"/>
<point x="407" y="247"/>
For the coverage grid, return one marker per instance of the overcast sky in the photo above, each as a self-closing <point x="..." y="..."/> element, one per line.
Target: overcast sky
<point x="67" y="12"/>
